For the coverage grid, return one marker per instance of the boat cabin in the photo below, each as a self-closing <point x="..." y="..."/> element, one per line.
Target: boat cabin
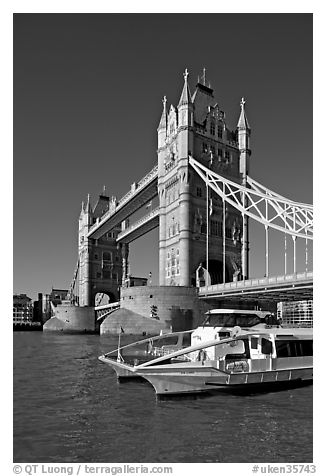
<point x="266" y="349"/>
<point x="221" y="323"/>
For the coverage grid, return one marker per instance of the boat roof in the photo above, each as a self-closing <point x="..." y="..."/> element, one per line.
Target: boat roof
<point x="236" y="311"/>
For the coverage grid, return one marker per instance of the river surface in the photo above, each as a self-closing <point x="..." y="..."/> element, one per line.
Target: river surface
<point x="69" y="408"/>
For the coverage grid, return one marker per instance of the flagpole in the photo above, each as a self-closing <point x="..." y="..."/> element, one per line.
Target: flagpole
<point x="119" y="357"/>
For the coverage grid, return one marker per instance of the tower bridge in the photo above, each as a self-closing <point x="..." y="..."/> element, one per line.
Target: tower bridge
<point x="206" y="198"/>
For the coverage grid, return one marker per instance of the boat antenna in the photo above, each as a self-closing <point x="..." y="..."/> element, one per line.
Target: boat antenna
<point x="119" y="357"/>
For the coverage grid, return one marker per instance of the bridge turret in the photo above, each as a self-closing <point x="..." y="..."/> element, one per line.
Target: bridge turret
<point x="185" y="106"/>
<point x="185" y="119"/>
<point x="100" y="262"/>
<point x="85" y="221"/>
<point x="82" y="211"/>
<point x="162" y="127"/>
<point x="243" y="131"/>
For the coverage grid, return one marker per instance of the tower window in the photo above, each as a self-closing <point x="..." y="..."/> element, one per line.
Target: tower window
<point x="212" y="128"/>
<point x="214" y="227"/>
<point x="220" y="132"/>
<point x="227" y="155"/>
<point x="107" y="256"/>
<point x="220" y="152"/>
<point x="106" y="274"/>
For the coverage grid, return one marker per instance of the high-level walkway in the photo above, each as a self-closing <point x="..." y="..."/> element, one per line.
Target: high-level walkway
<point x="140" y="227"/>
<point x="139" y="194"/>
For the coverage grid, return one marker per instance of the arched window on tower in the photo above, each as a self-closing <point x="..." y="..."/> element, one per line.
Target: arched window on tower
<point x="107" y="256"/>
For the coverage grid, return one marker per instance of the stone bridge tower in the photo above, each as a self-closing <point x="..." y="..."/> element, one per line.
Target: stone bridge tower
<point x="100" y="261"/>
<point x="197" y="126"/>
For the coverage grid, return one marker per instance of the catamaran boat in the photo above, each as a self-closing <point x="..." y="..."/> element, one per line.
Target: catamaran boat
<point x="218" y="324"/>
<point x="249" y="360"/>
<point x="232" y="349"/>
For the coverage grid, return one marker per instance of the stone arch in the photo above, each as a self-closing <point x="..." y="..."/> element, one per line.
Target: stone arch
<point x="101" y="297"/>
<point x="215" y="270"/>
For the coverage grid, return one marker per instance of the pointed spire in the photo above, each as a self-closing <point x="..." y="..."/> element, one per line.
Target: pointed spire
<point x="243" y="121"/>
<point x="88" y="204"/>
<point x="82" y="208"/>
<point x="163" y="121"/>
<point x="185" y="95"/>
<point x="202" y="79"/>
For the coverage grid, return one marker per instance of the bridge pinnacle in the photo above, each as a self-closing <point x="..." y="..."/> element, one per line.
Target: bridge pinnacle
<point x="88" y="205"/>
<point x="163" y="120"/>
<point x="243" y="121"/>
<point x="185" y="95"/>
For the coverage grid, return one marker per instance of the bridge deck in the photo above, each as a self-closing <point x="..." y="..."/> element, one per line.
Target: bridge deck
<point x="297" y="286"/>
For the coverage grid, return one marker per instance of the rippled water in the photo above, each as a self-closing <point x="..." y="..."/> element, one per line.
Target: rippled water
<point x="69" y="407"/>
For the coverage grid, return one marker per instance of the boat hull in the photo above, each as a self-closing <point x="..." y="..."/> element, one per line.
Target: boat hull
<point x="196" y="381"/>
<point x="121" y="369"/>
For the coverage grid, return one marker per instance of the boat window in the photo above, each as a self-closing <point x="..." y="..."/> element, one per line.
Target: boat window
<point x="228" y="348"/>
<point x="254" y="342"/>
<point x="224" y="335"/>
<point x="186" y="339"/>
<point x="306" y="347"/>
<point x="266" y="346"/>
<point x="244" y="353"/>
<point x="231" y="320"/>
<point x="282" y="348"/>
<point x="293" y="348"/>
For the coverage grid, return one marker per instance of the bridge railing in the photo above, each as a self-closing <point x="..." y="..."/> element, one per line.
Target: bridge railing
<point x="257" y="282"/>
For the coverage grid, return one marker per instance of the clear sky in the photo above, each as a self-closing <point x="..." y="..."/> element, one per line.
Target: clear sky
<point x="88" y="94"/>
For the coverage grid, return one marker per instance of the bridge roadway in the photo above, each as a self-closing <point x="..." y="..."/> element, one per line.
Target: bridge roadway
<point x="139" y="194"/>
<point x="289" y="287"/>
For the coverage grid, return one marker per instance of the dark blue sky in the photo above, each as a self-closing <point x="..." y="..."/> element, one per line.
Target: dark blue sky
<point x="87" y="101"/>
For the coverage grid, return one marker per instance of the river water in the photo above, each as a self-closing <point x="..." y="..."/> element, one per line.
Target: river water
<point x="69" y="408"/>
